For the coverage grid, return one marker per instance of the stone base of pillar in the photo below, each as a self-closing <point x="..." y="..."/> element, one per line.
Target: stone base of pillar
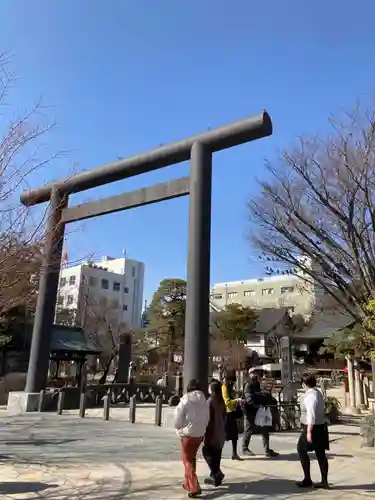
<point x="22" y="402"/>
<point x="352" y="410"/>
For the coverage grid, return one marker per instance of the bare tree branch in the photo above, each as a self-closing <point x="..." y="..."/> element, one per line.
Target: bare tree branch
<point x="316" y="211"/>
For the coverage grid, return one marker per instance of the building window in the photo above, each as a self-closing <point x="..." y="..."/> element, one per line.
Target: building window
<point x="133" y="272"/>
<point x="60" y="300"/>
<point x="114" y="304"/>
<point x="62" y="282"/>
<point x="124" y="307"/>
<point x="267" y="291"/>
<point x="105" y="284"/>
<point x="287" y="289"/>
<point x="72" y="280"/>
<point x="70" y="300"/>
<point x="93" y="281"/>
<point x="126" y="289"/>
<point x="231" y="295"/>
<point x="249" y="293"/>
<point x="116" y="286"/>
<point x="217" y="296"/>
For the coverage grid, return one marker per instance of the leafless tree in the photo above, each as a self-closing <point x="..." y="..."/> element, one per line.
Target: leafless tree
<point x="23" y="152"/>
<point x="316" y="211"/>
<point x="100" y="322"/>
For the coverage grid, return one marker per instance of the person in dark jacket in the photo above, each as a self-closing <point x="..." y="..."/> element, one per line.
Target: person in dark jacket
<point x="253" y="401"/>
<point x="214" y="438"/>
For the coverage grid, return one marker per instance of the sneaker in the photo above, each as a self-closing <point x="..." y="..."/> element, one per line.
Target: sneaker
<point x="209" y="480"/>
<point x="247" y="452"/>
<point x="272" y="454"/>
<point x="305" y="483"/>
<point x="221" y="476"/>
<point x="214" y="481"/>
<point x="236" y="456"/>
<point x="195" y="495"/>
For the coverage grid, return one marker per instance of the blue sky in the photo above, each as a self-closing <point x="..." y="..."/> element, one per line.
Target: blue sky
<point x="123" y="76"/>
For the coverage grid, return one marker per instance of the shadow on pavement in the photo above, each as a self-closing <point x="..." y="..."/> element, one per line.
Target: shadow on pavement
<point x="293" y="457"/>
<point x="19" y="487"/>
<point x="365" y="488"/>
<point x="272" y="486"/>
<point x="343" y="433"/>
<point x="40" y="442"/>
<point x="269" y="486"/>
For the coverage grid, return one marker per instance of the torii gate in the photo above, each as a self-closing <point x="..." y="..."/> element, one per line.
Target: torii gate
<point x="198" y="149"/>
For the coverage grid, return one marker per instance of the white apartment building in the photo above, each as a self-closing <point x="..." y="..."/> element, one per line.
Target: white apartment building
<point x="295" y="293"/>
<point x="290" y="291"/>
<point x="114" y="285"/>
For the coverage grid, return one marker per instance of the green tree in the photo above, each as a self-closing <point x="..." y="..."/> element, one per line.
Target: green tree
<point x="357" y="340"/>
<point x="231" y="329"/>
<point x="346" y="342"/>
<point x="166" y="315"/>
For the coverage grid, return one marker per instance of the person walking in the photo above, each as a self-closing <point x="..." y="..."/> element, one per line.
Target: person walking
<point x="234" y="412"/>
<point x="253" y="401"/>
<point x="214" y="439"/>
<point x="314" y="436"/>
<point x="192" y="417"/>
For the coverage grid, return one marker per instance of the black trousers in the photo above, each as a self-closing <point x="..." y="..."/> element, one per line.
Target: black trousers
<point x="212" y="457"/>
<point x="248" y="432"/>
<point x="320" y="443"/>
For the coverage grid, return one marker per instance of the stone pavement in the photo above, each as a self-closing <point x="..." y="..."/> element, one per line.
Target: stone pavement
<point x="49" y="457"/>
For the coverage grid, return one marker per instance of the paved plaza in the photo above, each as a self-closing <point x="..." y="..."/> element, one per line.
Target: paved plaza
<point x="45" y="456"/>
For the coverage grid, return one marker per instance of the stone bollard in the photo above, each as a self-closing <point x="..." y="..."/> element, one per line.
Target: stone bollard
<point x="158" y="411"/>
<point x="82" y="405"/>
<point x="132" y="407"/>
<point x="60" y="403"/>
<point x="106" y="406"/>
<point x="41" y="400"/>
<point x="179" y="385"/>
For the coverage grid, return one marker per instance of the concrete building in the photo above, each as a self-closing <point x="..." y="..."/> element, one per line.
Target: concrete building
<point x="289" y="291"/>
<point x="316" y="316"/>
<point x="113" y="285"/>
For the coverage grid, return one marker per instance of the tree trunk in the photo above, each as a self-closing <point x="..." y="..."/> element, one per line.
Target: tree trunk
<point x="103" y="378"/>
<point x="352" y="395"/>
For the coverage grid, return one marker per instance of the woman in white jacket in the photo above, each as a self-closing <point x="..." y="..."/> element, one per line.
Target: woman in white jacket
<point x="192" y="416"/>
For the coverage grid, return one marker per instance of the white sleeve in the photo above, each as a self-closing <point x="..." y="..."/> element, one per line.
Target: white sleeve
<point x="180" y="416"/>
<point x="310" y="403"/>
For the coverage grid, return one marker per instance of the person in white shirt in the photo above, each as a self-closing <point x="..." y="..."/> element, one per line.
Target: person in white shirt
<point x="192" y="417"/>
<point x="314" y="436"/>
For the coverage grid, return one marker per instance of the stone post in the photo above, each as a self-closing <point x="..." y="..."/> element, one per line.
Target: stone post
<point x="358" y="386"/>
<point x="352" y="398"/>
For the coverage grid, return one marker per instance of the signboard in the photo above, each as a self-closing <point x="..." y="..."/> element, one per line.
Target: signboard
<point x="177" y="358"/>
